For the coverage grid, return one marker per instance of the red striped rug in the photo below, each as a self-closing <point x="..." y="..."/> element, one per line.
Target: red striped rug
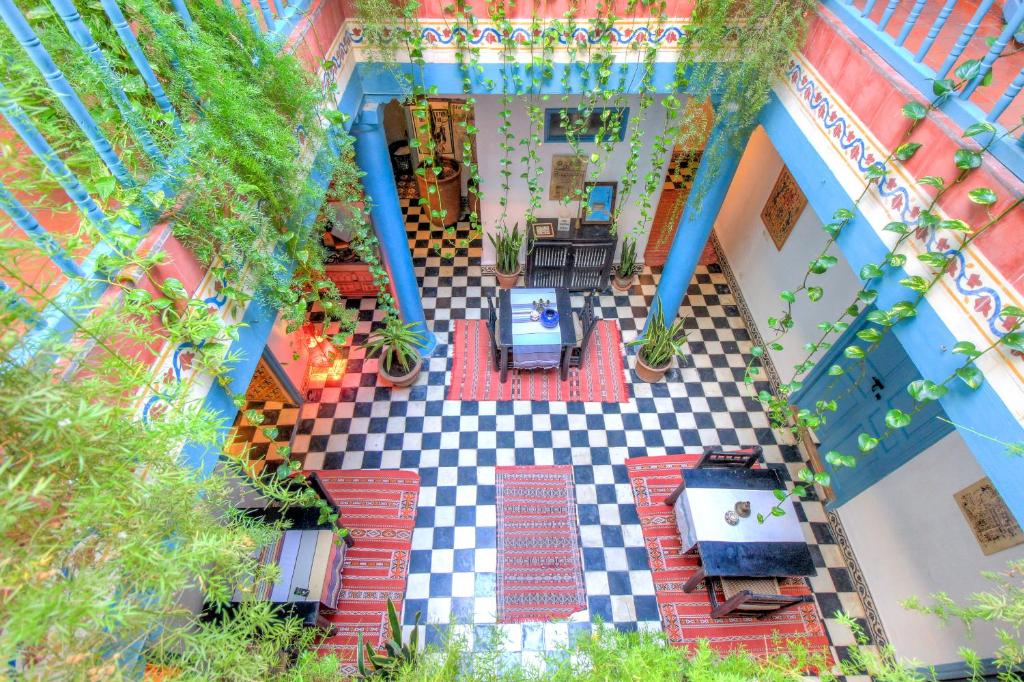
<point x="475" y="376"/>
<point x="686" y="617"/>
<point x="379" y="507"/>
<point x="540" y="575"/>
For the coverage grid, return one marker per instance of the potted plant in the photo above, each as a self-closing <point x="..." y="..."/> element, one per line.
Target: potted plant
<point x="439" y="178"/>
<point x="397" y="344"/>
<point x="442" y="189"/>
<point x="623" y="274"/>
<point x="507" y="246"/>
<point x="658" y="345"/>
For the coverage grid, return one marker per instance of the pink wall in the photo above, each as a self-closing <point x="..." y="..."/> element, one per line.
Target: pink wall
<point x="876" y="93"/>
<point x="314" y="34"/>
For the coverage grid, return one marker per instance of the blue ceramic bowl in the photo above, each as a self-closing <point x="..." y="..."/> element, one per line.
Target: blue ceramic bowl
<point x="549" y="318"/>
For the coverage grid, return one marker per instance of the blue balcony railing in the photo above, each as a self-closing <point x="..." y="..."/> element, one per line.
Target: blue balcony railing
<point x="926" y="40"/>
<point x="274" y="23"/>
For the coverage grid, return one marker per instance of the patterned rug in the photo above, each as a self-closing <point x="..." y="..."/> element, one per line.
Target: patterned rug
<point x="475" y="376"/>
<point x="379" y="507"/>
<point x="686" y="617"/>
<point x="540" y="576"/>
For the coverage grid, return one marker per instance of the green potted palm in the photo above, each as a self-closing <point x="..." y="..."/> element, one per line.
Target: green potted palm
<point x="625" y="272"/>
<point x="658" y="345"/>
<point x="397" y="344"/>
<point x="507" y="246"/>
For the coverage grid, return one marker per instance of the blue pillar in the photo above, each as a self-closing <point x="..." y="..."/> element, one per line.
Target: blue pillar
<point x="371" y="149"/>
<point x="714" y="175"/>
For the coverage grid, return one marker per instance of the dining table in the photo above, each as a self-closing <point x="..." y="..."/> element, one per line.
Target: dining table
<point x="524" y="342"/>
<point x="709" y="516"/>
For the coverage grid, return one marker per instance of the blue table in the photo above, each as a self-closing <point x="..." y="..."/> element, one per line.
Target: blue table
<point x="535" y="347"/>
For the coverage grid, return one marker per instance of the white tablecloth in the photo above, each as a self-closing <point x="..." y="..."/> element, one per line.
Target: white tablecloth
<point x="700" y="515"/>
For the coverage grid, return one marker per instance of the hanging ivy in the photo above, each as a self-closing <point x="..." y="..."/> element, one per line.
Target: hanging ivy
<point x="881" y="321"/>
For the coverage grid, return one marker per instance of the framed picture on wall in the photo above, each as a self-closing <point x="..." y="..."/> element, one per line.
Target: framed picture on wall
<point x="544" y="229"/>
<point x="783" y="208"/>
<point x="441" y="125"/>
<point x="599" y="206"/>
<point x="608" y="122"/>
<point x="991" y="521"/>
<point x="568" y="172"/>
<point x="462" y="116"/>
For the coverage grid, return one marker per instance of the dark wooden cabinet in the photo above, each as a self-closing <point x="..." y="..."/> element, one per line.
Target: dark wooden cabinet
<point x="579" y="260"/>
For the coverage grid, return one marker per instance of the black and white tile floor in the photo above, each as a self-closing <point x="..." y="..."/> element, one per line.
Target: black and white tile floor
<point x="350" y="422"/>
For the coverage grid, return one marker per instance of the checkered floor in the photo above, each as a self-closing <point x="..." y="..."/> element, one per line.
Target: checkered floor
<point x="349" y="423"/>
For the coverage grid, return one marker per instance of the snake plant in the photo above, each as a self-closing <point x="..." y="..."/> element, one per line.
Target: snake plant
<point x="507" y="246"/>
<point x="659" y="342"/>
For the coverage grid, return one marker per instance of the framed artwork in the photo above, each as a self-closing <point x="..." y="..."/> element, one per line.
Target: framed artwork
<point x="462" y="116"/>
<point x="568" y="172"/>
<point x="441" y="126"/>
<point x="418" y="122"/>
<point x="557" y="125"/>
<point x="600" y="202"/>
<point x="544" y="229"/>
<point x="783" y="208"/>
<point x="991" y="521"/>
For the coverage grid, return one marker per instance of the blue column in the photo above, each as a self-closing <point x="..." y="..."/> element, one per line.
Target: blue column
<point x="371" y="149"/>
<point x="714" y="175"/>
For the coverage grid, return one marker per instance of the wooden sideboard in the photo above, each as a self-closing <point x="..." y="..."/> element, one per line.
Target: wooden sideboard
<point x="578" y="260"/>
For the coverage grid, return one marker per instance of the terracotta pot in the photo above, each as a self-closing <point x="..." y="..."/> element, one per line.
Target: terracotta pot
<point x="647" y="372"/>
<point x="506" y="281"/>
<point x="448" y="196"/>
<point x="401" y="380"/>
<point x="623" y="284"/>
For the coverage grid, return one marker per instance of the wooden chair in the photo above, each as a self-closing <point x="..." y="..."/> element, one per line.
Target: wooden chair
<point x="749" y="596"/>
<point x="743" y="458"/>
<point x="584" y="321"/>
<point x="715" y="457"/>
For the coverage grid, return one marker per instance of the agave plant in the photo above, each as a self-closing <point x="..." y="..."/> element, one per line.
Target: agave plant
<point x="397" y="656"/>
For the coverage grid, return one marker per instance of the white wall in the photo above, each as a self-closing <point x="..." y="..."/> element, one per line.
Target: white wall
<point x="912" y="540"/>
<point x="763" y="271"/>
<point x="489" y="155"/>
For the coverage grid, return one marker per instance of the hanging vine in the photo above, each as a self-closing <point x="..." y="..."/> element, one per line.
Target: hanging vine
<point x="882" y="321"/>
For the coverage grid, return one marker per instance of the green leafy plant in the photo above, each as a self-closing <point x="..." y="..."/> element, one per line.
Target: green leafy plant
<point x="660" y="343"/>
<point x="1002" y="604"/>
<point x="610" y="654"/>
<point x="398" y="657"/>
<point x="507" y="246"/>
<point x="397" y="344"/>
<point x="124" y="523"/>
<point x="880" y="322"/>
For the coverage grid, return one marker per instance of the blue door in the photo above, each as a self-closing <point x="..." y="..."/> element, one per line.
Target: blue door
<point x="865" y="393"/>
